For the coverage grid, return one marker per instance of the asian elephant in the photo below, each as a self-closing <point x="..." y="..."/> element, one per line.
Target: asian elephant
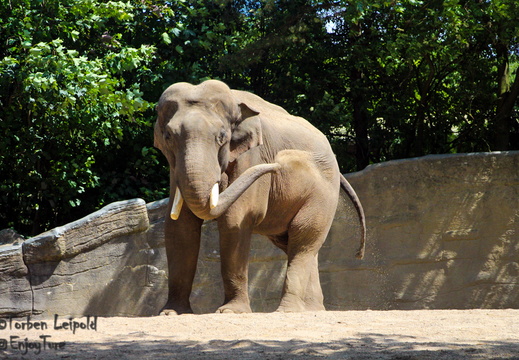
<point x="255" y="168"/>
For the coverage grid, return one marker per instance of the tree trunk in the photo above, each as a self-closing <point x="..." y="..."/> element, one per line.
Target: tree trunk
<point x="507" y="97"/>
<point x="360" y="121"/>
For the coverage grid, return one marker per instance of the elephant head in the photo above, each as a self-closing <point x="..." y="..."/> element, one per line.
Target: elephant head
<point x="202" y="129"/>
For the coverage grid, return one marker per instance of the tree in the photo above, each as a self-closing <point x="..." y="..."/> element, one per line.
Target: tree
<point x="65" y="105"/>
<point x="382" y="79"/>
<point x="503" y="35"/>
<point x="78" y="83"/>
<point x="422" y="75"/>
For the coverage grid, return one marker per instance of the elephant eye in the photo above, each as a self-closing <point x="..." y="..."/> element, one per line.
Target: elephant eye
<point x="222" y="137"/>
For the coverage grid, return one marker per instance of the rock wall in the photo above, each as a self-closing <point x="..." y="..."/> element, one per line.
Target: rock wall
<point x="75" y="268"/>
<point x="443" y="233"/>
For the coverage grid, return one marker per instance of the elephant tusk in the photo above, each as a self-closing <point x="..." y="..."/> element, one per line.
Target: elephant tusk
<point x="215" y="193"/>
<point x="177" y="205"/>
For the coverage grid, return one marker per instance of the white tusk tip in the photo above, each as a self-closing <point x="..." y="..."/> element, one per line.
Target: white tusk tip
<point x="213" y="200"/>
<point x="177" y="205"/>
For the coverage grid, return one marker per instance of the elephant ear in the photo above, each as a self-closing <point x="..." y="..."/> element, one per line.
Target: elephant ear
<point x="246" y="133"/>
<point x="165" y="109"/>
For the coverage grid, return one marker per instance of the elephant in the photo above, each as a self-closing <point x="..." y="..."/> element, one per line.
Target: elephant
<point x="254" y="168"/>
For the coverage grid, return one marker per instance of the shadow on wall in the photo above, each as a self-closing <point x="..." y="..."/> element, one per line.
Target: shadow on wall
<point x="139" y="285"/>
<point x="267" y="270"/>
<point x="443" y="233"/>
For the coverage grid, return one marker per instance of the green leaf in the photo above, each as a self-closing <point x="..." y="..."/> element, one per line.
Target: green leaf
<point x="166" y="38"/>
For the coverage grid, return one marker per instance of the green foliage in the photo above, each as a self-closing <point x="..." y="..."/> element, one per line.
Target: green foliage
<point x="421" y="77"/>
<point x="383" y="79"/>
<point x="68" y="108"/>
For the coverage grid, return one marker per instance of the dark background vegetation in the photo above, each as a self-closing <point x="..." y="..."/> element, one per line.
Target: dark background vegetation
<point x="383" y="79"/>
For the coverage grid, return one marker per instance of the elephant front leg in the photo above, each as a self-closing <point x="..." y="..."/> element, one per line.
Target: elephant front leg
<point x="234" y="252"/>
<point x="182" y="240"/>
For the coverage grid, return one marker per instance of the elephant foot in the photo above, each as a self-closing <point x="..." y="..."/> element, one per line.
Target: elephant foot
<point x="293" y="304"/>
<point x="172" y="310"/>
<point x="294" y="309"/>
<point x="234" y="307"/>
<point x="291" y="308"/>
<point x="168" y="312"/>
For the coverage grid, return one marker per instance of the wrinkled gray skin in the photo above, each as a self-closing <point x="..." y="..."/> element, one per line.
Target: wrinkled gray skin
<point x="277" y="177"/>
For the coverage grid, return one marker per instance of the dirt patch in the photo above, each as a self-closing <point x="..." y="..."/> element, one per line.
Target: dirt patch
<point x="419" y="334"/>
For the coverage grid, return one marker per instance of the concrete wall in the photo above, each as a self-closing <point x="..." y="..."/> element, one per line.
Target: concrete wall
<point x="443" y="232"/>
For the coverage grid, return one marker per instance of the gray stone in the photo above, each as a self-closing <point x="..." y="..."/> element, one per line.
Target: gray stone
<point x="91" y="266"/>
<point x="442" y="233"/>
<point x="9" y="236"/>
<point x="15" y="288"/>
<point x="90" y="232"/>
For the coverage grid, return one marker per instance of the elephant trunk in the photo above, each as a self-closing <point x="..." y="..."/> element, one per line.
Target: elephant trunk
<point x="238" y="187"/>
<point x="213" y="204"/>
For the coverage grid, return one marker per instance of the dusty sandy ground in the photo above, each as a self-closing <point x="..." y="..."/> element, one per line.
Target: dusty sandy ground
<point x="452" y="334"/>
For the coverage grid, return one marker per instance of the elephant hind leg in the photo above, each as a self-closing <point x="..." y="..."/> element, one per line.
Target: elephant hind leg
<point x="313" y="186"/>
<point x="314" y="294"/>
<point x="302" y="290"/>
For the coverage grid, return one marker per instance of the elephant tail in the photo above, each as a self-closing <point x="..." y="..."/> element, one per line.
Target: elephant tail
<point x="345" y="185"/>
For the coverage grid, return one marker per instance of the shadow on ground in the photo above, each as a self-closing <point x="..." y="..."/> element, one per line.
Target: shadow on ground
<point x="366" y="346"/>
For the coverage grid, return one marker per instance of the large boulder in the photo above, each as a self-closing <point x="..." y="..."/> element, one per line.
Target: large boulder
<point x="442" y="234"/>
